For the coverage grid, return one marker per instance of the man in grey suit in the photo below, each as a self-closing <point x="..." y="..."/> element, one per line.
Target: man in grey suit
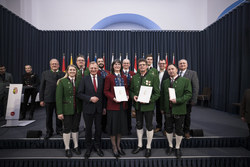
<point x="192" y="76"/>
<point x="5" y="80"/>
<point x="47" y="96"/>
<point x="90" y="91"/>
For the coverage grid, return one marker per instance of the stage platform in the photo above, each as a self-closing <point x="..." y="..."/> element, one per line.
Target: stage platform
<point x="225" y="143"/>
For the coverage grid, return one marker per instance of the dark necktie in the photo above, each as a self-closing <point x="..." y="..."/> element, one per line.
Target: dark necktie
<point x="180" y="74"/>
<point x="94" y="82"/>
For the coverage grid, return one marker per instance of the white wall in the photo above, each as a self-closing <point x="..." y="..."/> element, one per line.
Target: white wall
<point x="84" y="14"/>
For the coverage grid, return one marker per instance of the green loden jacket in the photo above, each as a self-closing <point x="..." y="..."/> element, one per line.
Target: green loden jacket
<point x="183" y="92"/>
<point x="79" y="73"/>
<point x="148" y="80"/>
<point x="64" y="97"/>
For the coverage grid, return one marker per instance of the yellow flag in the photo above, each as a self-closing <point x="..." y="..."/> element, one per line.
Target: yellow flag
<point x="71" y="60"/>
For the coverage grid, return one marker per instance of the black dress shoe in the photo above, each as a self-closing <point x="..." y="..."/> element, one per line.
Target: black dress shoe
<point x="178" y="153"/>
<point x="136" y="150"/>
<point x="77" y="150"/>
<point x="59" y="133"/>
<point x="169" y="151"/>
<point x="31" y="116"/>
<point x="87" y="154"/>
<point x="99" y="152"/>
<point x="116" y="154"/>
<point x="68" y="153"/>
<point x="147" y="153"/>
<point x="47" y="136"/>
<point x="121" y="152"/>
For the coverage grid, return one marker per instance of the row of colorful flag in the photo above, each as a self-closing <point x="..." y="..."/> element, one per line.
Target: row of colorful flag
<point x="112" y="59"/>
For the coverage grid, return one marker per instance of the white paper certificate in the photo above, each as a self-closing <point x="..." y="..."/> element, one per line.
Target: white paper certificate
<point x="120" y="93"/>
<point x="145" y="94"/>
<point x="171" y="93"/>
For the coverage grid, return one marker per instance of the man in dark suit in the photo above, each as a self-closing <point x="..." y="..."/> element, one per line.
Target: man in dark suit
<point x="129" y="74"/>
<point x="91" y="93"/>
<point x="163" y="75"/>
<point x="48" y="96"/>
<point x="5" y="80"/>
<point x="245" y="108"/>
<point x="103" y="73"/>
<point x="192" y="76"/>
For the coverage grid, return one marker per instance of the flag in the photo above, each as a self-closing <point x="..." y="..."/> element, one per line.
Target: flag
<point x="120" y="57"/>
<point x="63" y="64"/>
<point x="112" y="58"/>
<point x="88" y="61"/>
<point x="166" y="61"/>
<point x="71" y="59"/>
<point x="135" y="65"/>
<point x="95" y="57"/>
<point x="103" y="57"/>
<point x="158" y="60"/>
<point x="173" y="59"/>
<point x="143" y="55"/>
<point x="126" y="55"/>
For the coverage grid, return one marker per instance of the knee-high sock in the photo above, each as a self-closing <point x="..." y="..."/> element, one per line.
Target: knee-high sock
<point x="66" y="140"/>
<point x="75" y="139"/>
<point x="178" y="141"/>
<point x="139" y="135"/>
<point x="150" y="135"/>
<point x="170" y="139"/>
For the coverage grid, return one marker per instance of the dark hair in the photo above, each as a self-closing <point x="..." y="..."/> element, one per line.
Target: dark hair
<point x="80" y="56"/>
<point x="149" y="55"/>
<point x="99" y="58"/>
<point x="172" y="65"/>
<point x="1" y="65"/>
<point x="112" y="66"/>
<point x="142" y="60"/>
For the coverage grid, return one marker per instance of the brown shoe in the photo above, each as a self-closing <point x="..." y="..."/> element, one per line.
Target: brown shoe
<point x="187" y="135"/>
<point x="157" y="130"/>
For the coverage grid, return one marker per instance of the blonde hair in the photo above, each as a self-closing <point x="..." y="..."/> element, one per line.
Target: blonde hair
<point x="66" y="75"/>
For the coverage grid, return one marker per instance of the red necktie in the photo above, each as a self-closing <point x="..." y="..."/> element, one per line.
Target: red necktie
<point x="94" y="83"/>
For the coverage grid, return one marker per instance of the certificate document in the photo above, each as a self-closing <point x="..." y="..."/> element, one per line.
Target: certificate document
<point x="145" y="94"/>
<point x="171" y="93"/>
<point x="120" y="93"/>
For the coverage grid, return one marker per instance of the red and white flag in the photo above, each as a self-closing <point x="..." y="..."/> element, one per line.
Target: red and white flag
<point x="173" y="59"/>
<point x="88" y="61"/>
<point x="135" y="65"/>
<point x="166" y="61"/>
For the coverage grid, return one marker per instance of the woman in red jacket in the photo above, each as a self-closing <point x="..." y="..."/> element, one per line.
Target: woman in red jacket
<point x="116" y="111"/>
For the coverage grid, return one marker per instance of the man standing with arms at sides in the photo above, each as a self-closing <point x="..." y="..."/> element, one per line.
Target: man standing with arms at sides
<point x="175" y="108"/>
<point x="5" y="80"/>
<point x="192" y="76"/>
<point x="163" y="74"/>
<point x="91" y="93"/>
<point x="151" y="69"/>
<point x="30" y="83"/>
<point x="81" y="69"/>
<point x="48" y="96"/>
<point x="103" y="73"/>
<point x="129" y="74"/>
<point x="144" y="110"/>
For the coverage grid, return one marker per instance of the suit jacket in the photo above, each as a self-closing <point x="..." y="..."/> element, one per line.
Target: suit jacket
<point x="245" y="106"/>
<point x="110" y="93"/>
<point x="192" y="76"/>
<point x="31" y="79"/>
<point x="86" y="91"/>
<point x="183" y="91"/>
<point x="131" y="73"/>
<point x="6" y="82"/>
<point x="65" y="97"/>
<point x="148" y="80"/>
<point x="165" y="76"/>
<point x="49" y="80"/>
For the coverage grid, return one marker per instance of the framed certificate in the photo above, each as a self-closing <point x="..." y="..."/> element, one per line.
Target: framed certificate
<point x="120" y="93"/>
<point x="145" y="94"/>
<point x="171" y="92"/>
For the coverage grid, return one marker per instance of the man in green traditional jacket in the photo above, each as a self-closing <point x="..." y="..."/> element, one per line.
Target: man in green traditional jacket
<point x="146" y="110"/>
<point x="81" y="69"/>
<point x="175" y="107"/>
<point x="151" y="69"/>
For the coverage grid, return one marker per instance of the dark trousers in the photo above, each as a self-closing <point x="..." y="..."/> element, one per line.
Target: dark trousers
<point x="27" y="94"/>
<point x="3" y="104"/>
<point x="148" y="115"/>
<point x="187" y="120"/>
<point x="104" y="122"/>
<point x="50" y="109"/>
<point x="248" y="128"/>
<point x="174" y="121"/>
<point x="89" y="119"/>
<point x="158" y="115"/>
<point x="71" y="123"/>
<point x="129" y="115"/>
